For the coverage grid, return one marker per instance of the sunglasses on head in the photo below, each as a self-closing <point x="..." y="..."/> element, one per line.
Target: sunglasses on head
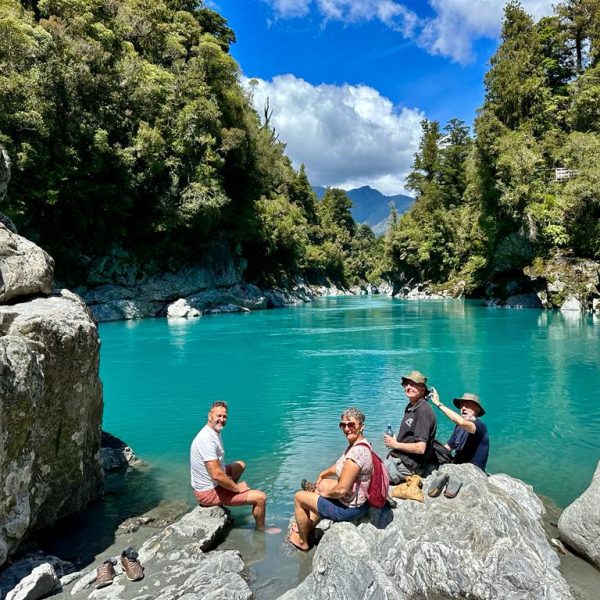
<point x="350" y="425"/>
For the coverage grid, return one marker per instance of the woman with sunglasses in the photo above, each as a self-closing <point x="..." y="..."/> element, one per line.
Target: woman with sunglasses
<point x="341" y="490"/>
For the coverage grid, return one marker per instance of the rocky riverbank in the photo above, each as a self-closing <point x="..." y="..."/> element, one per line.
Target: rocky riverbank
<point x="211" y="288"/>
<point x="487" y="543"/>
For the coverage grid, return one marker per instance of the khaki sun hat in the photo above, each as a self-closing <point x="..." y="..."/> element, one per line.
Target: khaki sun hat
<point x="415" y="377"/>
<point x="471" y="398"/>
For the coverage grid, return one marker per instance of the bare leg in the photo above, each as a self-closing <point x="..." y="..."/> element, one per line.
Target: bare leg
<point x="235" y="469"/>
<point x="258" y="500"/>
<point x="305" y="510"/>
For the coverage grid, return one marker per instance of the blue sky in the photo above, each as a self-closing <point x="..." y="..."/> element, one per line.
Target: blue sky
<point x="349" y="80"/>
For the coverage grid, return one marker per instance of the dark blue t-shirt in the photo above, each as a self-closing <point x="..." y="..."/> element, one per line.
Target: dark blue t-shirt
<point x="471" y="447"/>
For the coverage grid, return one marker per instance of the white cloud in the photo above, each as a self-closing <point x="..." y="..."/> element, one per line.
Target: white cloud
<point x="451" y="32"/>
<point x="286" y="9"/>
<point x="346" y="136"/>
<point x="458" y="23"/>
<point x="393" y="14"/>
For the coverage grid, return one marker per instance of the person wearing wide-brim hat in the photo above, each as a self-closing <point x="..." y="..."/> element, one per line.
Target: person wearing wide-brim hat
<point x="469" y="441"/>
<point x="410" y="451"/>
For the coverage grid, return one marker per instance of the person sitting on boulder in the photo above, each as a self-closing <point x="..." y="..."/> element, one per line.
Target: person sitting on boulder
<point x="469" y="441"/>
<point x="340" y="492"/>
<point x="411" y="450"/>
<point x="217" y="484"/>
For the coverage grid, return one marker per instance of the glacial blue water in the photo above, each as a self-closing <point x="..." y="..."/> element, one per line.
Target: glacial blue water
<point x="288" y="373"/>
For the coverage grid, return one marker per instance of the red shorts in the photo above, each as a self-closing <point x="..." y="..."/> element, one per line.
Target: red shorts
<point x="219" y="496"/>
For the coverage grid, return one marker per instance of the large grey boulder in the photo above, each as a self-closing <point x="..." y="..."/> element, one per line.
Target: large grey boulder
<point x="487" y="543"/>
<point x="579" y="524"/>
<point x="177" y="564"/>
<point x="19" y="572"/>
<point x="25" y="269"/>
<point x="50" y="414"/>
<point x="39" y="583"/>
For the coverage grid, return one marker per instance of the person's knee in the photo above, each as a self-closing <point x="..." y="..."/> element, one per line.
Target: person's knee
<point x="257" y="497"/>
<point x="242" y="465"/>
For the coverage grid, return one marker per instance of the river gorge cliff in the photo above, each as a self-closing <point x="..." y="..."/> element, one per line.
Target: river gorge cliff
<point x="50" y="396"/>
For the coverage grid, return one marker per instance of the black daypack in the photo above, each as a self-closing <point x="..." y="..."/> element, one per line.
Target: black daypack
<point x="440" y="455"/>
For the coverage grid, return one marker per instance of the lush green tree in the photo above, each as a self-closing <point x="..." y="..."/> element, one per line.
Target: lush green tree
<point x="426" y="164"/>
<point x="455" y="147"/>
<point x="581" y="27"/>
<point x="335" y="212"/>
<point x="515" y="83"/>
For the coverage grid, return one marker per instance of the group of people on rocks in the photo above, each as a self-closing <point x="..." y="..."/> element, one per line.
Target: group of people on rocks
<point x="340" y="492"/>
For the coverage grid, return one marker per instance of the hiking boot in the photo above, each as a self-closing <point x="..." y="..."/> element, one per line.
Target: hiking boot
<point x="308" y="486"/>
<point x="105" y="573"/>
<point x="131" y="565"/>
<point x="410" y="490"/>
<point x="437" y="485"/>
<point x="414" y="480"/>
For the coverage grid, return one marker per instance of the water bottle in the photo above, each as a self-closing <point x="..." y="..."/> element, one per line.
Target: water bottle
<point x="389" y="431"/>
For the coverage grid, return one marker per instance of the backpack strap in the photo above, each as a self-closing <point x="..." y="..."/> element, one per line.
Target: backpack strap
<point x="362" y="484"/>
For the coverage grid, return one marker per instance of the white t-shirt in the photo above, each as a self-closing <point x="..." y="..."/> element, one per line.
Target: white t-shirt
<point x="207" y="445"/>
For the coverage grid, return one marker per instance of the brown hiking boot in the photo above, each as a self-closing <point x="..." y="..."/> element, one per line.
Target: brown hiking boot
<point x="105" y="573"/>
<point x="131" y="565"/>
<point x="410" y="489"/>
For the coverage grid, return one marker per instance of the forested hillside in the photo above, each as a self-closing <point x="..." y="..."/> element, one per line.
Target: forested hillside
<point x="490" y="204"/>
<point x="129" y="134"/>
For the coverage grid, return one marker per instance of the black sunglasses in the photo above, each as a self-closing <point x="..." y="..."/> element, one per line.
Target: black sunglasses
<point x="349" y="425"/>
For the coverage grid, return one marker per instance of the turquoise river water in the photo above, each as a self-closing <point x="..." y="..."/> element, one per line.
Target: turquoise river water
<point x="288" y="373"/>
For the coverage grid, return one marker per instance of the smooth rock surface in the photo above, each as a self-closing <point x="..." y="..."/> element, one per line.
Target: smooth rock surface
<point x="115" y="454"/>
<point x="50" y="414"/>
<point x="25" y="269"/>
<point x="180" y="309"/>
<point x="176" y="565"/>
<point x="487" y="543"/>
<point x="149" y="296"/>
<point x="579" y="524"/>
<point x="530" y="300"/>
<point x="571" y="304"/>
<point x="245" y="296"/>
<point x="40" y="582"/>
<point x="23" y="568"/>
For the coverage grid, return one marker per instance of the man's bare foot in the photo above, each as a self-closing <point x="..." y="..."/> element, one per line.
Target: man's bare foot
<point x="270" y="530"/>
<point x="295" y="539"/>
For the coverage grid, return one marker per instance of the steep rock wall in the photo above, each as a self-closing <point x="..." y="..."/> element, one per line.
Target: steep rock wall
<point x="50" y="399"/>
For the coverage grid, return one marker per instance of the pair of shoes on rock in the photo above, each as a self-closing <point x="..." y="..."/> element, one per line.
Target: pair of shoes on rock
<point x="308" y="486"/>
<point x="452" y="485"/>
<point x="410" y="489"/>
<point x="132" y="568"/>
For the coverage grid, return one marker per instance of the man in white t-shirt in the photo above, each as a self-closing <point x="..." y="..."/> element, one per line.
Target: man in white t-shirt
<point x="214" y="482"/>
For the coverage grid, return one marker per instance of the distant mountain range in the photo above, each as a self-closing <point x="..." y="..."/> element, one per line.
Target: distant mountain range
<point x="372" y="207"/>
